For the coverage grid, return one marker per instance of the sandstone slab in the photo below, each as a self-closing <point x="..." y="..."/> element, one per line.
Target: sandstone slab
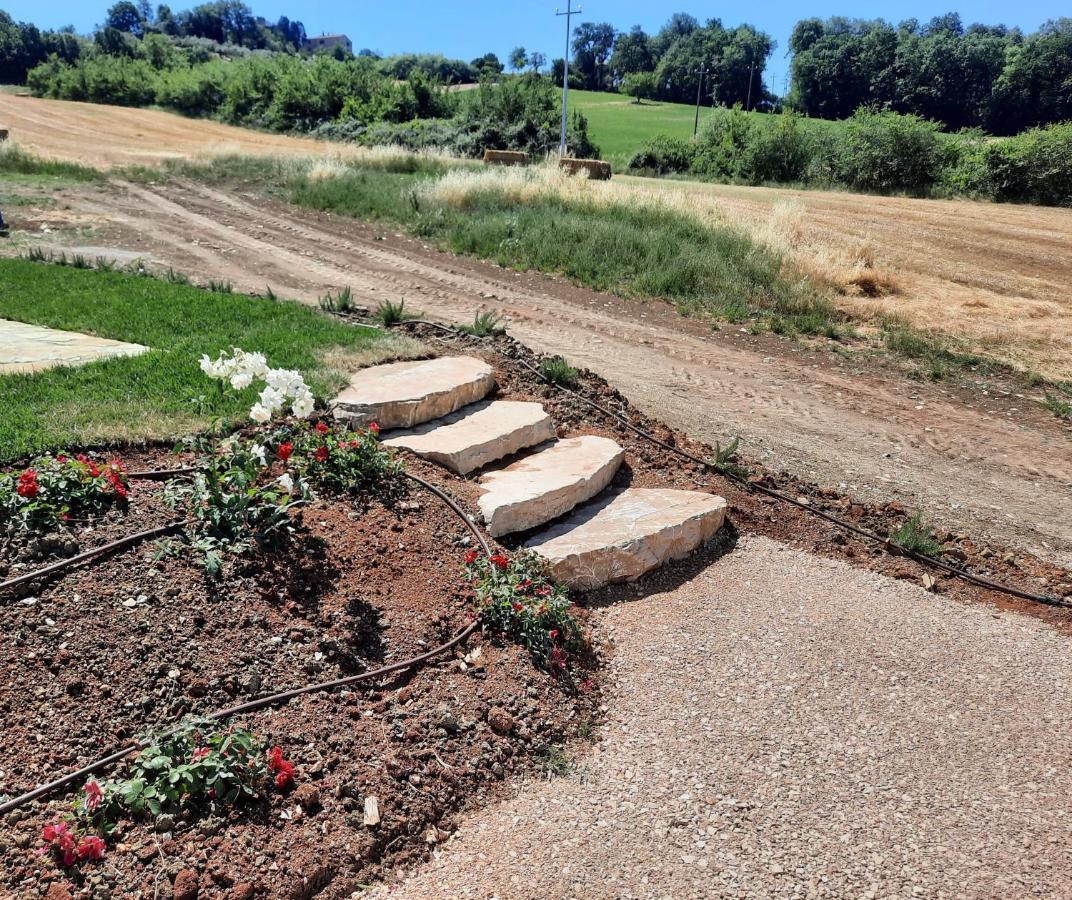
<point x="482" y="433"/>
<point x="405" y="394"/>
<point x="33" y="348"/>
<point x="624" y="535"/>
<point x="547" y="483"/>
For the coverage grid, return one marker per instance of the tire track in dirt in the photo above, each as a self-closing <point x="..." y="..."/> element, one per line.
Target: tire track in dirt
<point x="811" y="413"/>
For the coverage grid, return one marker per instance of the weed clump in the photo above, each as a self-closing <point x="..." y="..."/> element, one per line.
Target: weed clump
<point x="916" y="537"/>
<point x="485" y="324"/>
<point x="342" y="302"/>
<point x="556" y="370"/>
<point x="389" y="313"/>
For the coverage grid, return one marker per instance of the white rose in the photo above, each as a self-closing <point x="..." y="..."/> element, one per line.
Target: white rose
<point x="260" y="414"/>
<point x="241" y="380"/>
<point x="286" y="482"/>
<point x="257" y="452"/>
<point x="303" y="406"/>
<point x="271" y="398"/>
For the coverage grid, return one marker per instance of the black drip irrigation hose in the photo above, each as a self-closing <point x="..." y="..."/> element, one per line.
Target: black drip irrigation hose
<point x="923" y="559"/>
<point x="283" y="696"/>
<point x="110" y="547"/>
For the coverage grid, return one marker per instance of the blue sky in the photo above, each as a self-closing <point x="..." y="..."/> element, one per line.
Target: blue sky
<point x="470" y="28"/>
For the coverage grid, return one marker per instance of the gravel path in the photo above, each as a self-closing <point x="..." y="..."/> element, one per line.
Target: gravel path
<point x="788" y="726"/>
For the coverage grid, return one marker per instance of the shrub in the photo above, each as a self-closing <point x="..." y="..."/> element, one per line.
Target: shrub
<point x="235" y="501"/>
<point x="340" y="461"/>
<point x="515" y="600"/>
<point x="664" y="155"/>
<point x="182" y="771"/>
<point x="778" y="152"/>
<point x="52" y="488"/>
<point x="723" y="144"/>
<point x="887" y="151"/>
<point x="1033" y="167"/>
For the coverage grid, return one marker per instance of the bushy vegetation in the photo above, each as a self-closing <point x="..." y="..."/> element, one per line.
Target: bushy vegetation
<point x="342" y="99"/>
<point x="880" y="152"/>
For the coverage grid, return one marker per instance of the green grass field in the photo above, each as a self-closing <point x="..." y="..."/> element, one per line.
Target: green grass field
<point x="620" y="126"/>
<point x="162" y="393"/>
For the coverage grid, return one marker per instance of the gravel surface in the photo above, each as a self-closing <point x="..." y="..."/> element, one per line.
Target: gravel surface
<point x="785" y="725"/>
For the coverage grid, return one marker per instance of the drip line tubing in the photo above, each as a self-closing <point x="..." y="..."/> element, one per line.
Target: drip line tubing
<point x="283" y="696"/>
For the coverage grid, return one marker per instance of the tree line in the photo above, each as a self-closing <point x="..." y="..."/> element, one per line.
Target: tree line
<point x="976" y="76"/>
<point x="985" y="76"/>
<point x="979" y="76"/>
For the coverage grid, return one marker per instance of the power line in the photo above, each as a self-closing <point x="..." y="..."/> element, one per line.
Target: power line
<point x="569" y="13"/>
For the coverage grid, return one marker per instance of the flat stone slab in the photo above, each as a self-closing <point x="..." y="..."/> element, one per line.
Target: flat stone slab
<point x="33" y="348"/>
<point x="547" y="483"/>
<point x="480" y="434"/>
<point x="620" y="537"/>
<point x="404" y="394"/>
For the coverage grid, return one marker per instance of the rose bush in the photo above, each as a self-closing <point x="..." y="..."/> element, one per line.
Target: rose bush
<point x="236" y="500"/>
<point x="515" y="600"/>
<point x="196" y="767"/>
<point x="241" y="369"/>
<point x="52" y="489"/>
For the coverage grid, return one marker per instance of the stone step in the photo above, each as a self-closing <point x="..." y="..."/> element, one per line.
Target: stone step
<point x="477" y="435"/>
<point x="621" y="536"/>
<point x="405" y="394"/>
<point x="547" y="483"/>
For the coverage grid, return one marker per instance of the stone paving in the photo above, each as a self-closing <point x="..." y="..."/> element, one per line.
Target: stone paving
<point x="442" y="405"/>
<point x="33" y="348"/>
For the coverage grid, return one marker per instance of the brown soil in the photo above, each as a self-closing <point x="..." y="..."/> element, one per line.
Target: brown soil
<point x="84" y="672"/>
<point x="993" y="274"/>
<point x="980" y="456"/>
<point x="356" y="589"/>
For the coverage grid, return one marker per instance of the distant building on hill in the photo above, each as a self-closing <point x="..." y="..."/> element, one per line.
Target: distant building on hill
<point x="328" y="42"/>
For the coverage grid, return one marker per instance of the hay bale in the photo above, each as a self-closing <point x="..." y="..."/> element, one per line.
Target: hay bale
<point x="505" y="158"/>
<point x="597" y="169"/>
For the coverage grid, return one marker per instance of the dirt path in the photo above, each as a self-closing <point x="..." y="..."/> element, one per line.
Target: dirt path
<point x="784" y="726"/>
<point x="994" y="464"/>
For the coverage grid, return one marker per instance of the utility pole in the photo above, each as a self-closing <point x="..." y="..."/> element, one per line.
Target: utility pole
<point x="699" y="89"/>
<point x="569" y="13"/>
<point x="751" y="69"/>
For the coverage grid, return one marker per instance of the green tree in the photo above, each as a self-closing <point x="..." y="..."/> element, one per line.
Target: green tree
<point x="1035" y="85"/>
<point x="632" y="53"/>
<point x="124" y="16"/>
<point x="592" y="46"/>
<point x="640" y="85"/>
<point x="519" y="58"/>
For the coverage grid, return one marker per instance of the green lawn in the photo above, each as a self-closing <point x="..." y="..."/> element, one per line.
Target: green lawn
<point x="163" y="393"/>
<point x="620" y="126"/>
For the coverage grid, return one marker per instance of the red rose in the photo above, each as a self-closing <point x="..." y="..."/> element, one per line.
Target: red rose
<point x="470" y="557"/>
<point x="91" y="848"/>
<point x="285" y="450"/>
<point x="500" y="561"/>
<point x="28" y="486"/>
<point x="543" y="590"/>
<point x="321" y="427"/>
<point x="94" y="795"/>
<point x="321" y="454"/>
<point x="373" y="427"/>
